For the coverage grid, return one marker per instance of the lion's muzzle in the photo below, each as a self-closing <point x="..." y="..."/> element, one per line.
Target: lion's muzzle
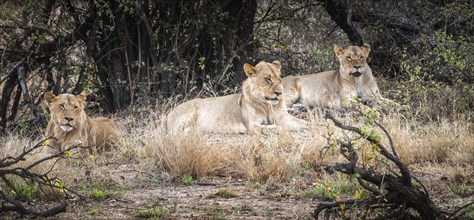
<point x="66" y="127"/>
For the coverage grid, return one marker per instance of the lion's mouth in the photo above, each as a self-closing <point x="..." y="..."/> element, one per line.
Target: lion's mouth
<point x="356" y="74"/>
<point x="272" y="99"/>
<point x="66" y="127"/>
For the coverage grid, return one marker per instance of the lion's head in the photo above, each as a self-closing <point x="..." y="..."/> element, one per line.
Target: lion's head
<point x="353" y="59"/>
<point x="67" y="111"/>
<point x="265" y="82"/>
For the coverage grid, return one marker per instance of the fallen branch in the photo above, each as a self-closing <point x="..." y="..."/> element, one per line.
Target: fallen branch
<point x="393" y="191"/>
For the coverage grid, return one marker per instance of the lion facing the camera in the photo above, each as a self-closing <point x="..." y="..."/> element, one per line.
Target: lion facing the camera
<point x="70" y="125"/>
<point x="337" y="88"/>
<point x="260" y="105"/>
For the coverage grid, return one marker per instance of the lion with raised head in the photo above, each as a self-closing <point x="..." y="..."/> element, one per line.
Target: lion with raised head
<point x="70" y="125"/>
<point x="337" y="88"/>
<point x="260" y="105"/>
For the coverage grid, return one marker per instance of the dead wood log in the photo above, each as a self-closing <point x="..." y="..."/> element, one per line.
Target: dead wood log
<point x="393" y="191"/>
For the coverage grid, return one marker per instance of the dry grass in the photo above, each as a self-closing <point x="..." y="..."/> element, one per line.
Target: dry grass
<point x="439" y="153"/>
<point x="13" y="146"/>
<point x="267" y="158"/>
<point x="438" y="142"/>
<point x="271" y="157"/>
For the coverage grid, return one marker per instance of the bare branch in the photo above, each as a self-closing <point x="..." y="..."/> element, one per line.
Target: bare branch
<point x="18" y="203"/>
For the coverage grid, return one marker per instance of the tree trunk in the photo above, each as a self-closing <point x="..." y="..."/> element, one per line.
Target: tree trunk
<point x="243" y="25"/>
<point x="113" y="49"/>
<point x="341" y="13"/>
<point x="233" y="49"/>
<point x="6" y="96"/>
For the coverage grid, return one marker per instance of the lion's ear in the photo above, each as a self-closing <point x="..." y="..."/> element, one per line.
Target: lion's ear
<point x="81" y="97"/>
<point x="366" y="49"/>
<point x="338" y="50"/>
<point x="249" y="70"/>
<point x="277" y="64"/>
<point x="49" y="97"/>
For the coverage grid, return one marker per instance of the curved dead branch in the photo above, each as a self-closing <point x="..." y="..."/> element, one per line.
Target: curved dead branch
<point x="392" y="191"/>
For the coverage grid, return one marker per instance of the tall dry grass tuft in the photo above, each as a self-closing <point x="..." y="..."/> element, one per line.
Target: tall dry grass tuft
<point x="260" y="159"/>
<point x="315" y="152"/>
<point x="178" y="154"/>
<point x="188" y="155"/>
<point x="272" y="157"/>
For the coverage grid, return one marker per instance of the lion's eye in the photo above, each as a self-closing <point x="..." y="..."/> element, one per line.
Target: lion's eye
<point x="362" y="58"/>
<point x="349" y="58"/>
<point x="75" y="108"/>
<point x="62" y="106"/>
<point x="269" y="81"/>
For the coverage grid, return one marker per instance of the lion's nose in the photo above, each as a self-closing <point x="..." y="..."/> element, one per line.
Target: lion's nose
<point x="357" y="66"/>
<point x="68" y="119"/>
<point x="277" y="93"/>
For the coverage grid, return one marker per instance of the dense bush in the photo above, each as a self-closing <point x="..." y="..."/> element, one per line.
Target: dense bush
<point x="166" y="49"/>
<point x="439" y="78"/>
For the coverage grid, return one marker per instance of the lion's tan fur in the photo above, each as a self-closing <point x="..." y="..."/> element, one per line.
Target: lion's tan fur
<point x="337" y="88"/>
<point x="259" y="105"/>
<point x="70" y="125"/>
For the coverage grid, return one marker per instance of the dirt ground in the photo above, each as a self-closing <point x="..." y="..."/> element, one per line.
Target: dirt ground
<point x="210" y="198"/>
<point x="134" y="193"/>
<point x="133" y="189"/>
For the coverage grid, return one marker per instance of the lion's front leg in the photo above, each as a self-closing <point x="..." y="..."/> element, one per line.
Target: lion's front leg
<point x="292" y="123"/>
<point x="386" y="105"/>
<point x="261" y="128"/>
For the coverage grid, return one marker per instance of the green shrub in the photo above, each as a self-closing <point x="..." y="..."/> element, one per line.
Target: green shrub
<point x="25" y="190"/>
<point x="153" y="213"/>
<point x="99" y="194"/>
<point x="439" y="79"/>
<point x="187" y="180"/>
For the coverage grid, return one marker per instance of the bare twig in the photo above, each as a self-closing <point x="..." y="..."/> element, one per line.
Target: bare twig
<point x="389" y="139"/>
<point x="459" y="209"/>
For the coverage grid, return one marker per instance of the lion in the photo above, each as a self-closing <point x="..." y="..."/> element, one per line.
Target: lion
<point x="70" y="125"/>
<point x="260" y="105"/>
<point x="336" y="89"/>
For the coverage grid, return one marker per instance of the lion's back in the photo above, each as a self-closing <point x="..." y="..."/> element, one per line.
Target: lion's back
<point x="312" y="89"/>
<point x="104" y="131"/>
<point x="215" y="114"/>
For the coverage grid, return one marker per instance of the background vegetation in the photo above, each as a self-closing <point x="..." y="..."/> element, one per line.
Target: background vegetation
<point x="126" y="52"/>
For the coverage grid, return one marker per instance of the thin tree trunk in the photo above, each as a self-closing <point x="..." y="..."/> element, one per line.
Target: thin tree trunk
<point x="341" y="13"/>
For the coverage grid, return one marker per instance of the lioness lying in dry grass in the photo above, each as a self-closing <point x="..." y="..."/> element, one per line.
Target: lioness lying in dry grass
<point x="337" y="88"/>
<point x="260" y="105"/>
<point x="70" y="125"/>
